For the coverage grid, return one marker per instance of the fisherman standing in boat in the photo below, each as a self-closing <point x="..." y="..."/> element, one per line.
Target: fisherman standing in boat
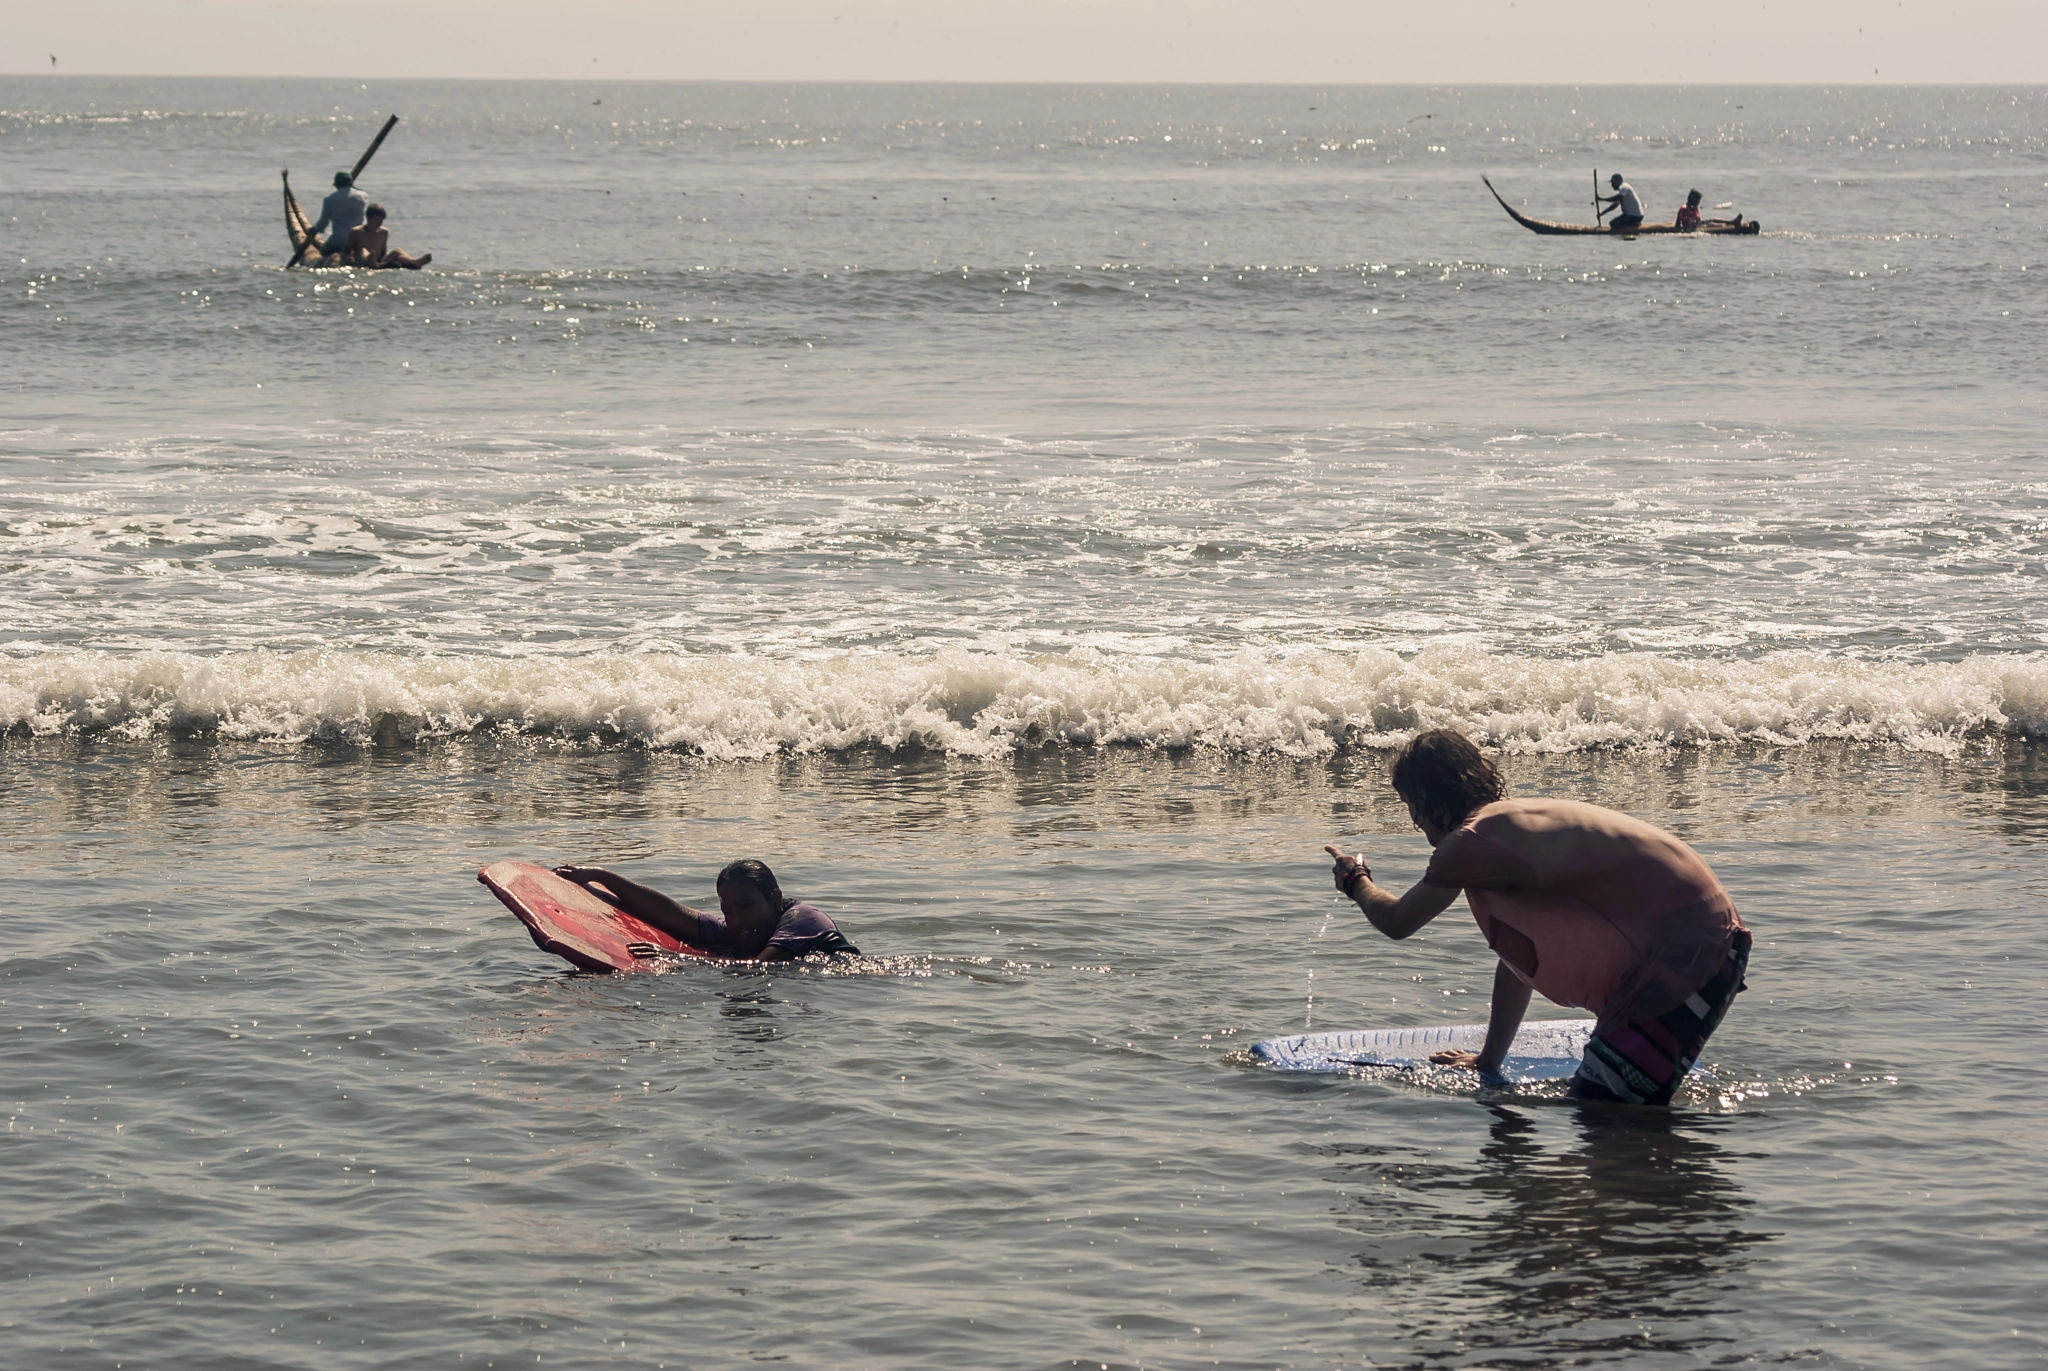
<point x="1624" y="199"/>
<point x="343" y="211"/>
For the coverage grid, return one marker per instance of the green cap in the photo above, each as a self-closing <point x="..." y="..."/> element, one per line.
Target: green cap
<point x="342" y="178"/>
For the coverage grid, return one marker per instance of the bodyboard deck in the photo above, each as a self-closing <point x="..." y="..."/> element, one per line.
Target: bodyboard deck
<point x="576" y="924"/>
<point x="1544" y="1049"/>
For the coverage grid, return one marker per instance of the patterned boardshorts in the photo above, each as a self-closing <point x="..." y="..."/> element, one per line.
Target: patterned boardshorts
<point x="1643" y="1062"/>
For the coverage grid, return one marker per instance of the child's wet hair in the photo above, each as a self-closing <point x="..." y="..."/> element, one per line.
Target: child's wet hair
<point x="748" y="871"/>
<point x="1444" y="777"/>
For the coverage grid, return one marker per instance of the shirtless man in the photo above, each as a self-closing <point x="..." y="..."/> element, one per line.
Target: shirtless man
<point x="370" y="245"/>
<point x="1593" y="908"/>
<point x="756" y="922"/>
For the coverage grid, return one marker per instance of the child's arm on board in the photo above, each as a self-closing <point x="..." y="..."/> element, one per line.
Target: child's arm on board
<point x="1397" y="916"/>
<point x="642" y="902"/>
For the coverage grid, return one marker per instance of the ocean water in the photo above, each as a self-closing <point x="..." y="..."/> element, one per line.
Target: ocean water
<point x="1025" y="517"/>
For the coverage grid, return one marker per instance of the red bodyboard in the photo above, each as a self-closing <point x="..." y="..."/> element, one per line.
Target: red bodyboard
<point x="576" y="924"/>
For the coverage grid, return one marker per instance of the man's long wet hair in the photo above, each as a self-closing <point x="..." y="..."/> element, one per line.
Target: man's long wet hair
<point x="1444" y="777"/>
<point x="747" y="871"/>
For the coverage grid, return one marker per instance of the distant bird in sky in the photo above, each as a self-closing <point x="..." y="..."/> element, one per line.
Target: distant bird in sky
<point x="53" y="59"/>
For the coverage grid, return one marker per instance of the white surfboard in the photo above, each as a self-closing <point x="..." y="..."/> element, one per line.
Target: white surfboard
<point x="1544" y="1050"/>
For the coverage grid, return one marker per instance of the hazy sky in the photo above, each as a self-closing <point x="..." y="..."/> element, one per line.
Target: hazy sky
<point x="1693" y="41"/>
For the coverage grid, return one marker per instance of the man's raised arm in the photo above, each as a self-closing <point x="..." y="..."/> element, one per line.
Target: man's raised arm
<point x="1397" y="916"/>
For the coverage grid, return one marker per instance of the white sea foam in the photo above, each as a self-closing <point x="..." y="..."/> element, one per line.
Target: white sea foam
<point x="1298" y="702"/>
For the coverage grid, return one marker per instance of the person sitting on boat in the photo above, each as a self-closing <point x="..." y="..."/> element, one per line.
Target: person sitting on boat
<point x="1688" y="220"/>
<point x="370" y="245"/>
<point x="344" y="208"/>
<point x="1624" y="199"/>
<point x="1591" y="907"/>
<point x="757" y="923"/>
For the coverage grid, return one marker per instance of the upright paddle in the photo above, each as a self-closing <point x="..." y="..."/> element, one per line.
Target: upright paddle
<point x="361" y="162"/>
<point x="1599" y="214"/>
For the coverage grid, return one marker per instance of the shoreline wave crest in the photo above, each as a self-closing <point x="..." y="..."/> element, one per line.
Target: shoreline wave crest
<point x="1291" y="702"/>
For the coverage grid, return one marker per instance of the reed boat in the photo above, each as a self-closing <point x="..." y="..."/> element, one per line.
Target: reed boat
<point x="299" y="228"/>
<point x="1737" y="225"/>
<point x="306" y="251"/>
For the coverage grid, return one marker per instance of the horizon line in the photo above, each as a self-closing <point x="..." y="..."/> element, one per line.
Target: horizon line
<point x="43" y="74"/>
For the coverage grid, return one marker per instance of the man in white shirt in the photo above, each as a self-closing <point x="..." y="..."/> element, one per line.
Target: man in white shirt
<point x="1624" y="199"/>
<point x="343" y="211"/>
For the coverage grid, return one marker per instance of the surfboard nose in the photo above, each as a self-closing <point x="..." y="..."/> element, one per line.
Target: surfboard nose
<point x="575" y="924"/>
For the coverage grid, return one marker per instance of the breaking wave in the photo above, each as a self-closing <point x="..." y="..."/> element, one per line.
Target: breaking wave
<point x="1296" y="702"/>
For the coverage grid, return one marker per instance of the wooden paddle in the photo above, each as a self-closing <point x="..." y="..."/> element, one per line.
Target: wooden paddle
<point x="1599" y="214"/>
<point x="361" y="162"/>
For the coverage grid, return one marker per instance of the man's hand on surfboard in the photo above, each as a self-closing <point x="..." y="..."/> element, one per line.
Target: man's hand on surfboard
<point x="1468" y="1061"/>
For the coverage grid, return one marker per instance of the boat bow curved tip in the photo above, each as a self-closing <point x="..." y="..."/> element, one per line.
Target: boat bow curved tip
<point x="1533" y="225"/>
<point x="1498" y="197"/>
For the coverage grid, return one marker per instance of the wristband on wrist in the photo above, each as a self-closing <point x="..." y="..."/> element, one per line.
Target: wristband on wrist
<point x="1361" y="872"/>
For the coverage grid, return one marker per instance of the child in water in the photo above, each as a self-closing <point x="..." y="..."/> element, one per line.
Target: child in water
<point x="1591" y="907"/>
<point x="756" y="923"/>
